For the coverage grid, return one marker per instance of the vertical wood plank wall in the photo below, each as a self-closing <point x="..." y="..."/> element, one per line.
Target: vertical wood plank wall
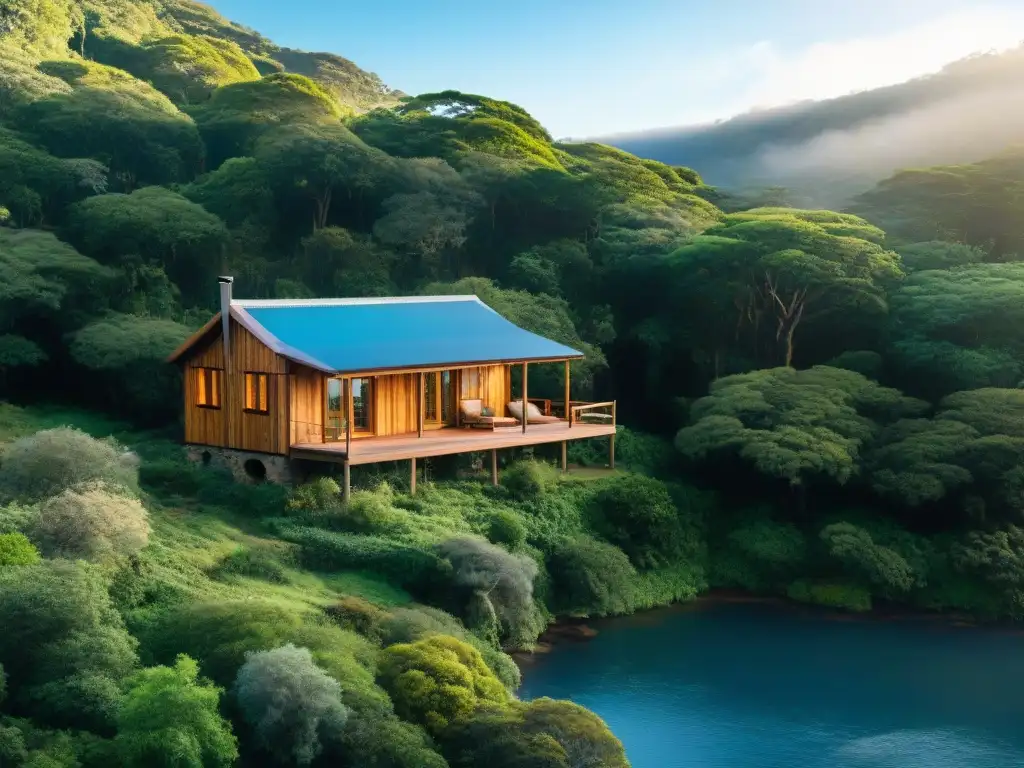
<point x="395" y="399"/>
<point x="296" y="397"/>
<point x="496" y="387"/>
<point x="307" y="405"/>
<point x="266" y="433"/>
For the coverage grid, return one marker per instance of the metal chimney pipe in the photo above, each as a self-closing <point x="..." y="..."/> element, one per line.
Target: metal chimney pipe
<point x="225" y="318"/>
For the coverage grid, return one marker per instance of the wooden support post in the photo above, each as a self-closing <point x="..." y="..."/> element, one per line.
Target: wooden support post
<point x="494" y="466"/>
<point x="565" y="455"/>
<point x="525" y="419"/>
<point x="568" y="410"/>
<point x="348" y="482"/>
<point x="419" y="417"/>
<point x="412" y="476"/>
<point x="347" y="394"/>
<point x="611" y="441"/>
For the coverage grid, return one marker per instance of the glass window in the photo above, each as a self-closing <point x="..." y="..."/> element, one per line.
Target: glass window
<point x="430" y="397"/>
<point x="362" y="405"/>
<point x="256" y="400"/>
<point x="208" y="387"/>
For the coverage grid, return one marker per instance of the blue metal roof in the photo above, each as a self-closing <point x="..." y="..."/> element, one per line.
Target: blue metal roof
<point x="367" y="334"/>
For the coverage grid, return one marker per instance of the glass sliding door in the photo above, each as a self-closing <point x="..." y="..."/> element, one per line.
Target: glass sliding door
<point x="336" y="412"/>
<point x="438" y="398"/>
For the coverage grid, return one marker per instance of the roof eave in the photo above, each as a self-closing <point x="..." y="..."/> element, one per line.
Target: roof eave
<point x="193" y="340"/>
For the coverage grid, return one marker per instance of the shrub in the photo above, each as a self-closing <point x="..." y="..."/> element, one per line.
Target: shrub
<point x="253" y="562"/>
<point x="382" y="740"/>
<point x="292" y="704"/>
<point x="502" y="587"/>
<point x="506" y="528"/>
<point x="529" y="479"/>
<point x="416" y="569"/>
<point x="438" y="681"/>
<point x="636" y="514"/>
<point x="316" y="497"/>
<point x="831" y="595"/>
<point x="371" y="511"/>
<point x="44" y="464"/>
<point x="862" y="558"/>
<point x="638" y="451"/>
<point x="170" y="478"/>
<point x="406" y="625"/>
<point x="16" y="549"/>
<point x="46" y="603"/>
<point x="63" y="646"/>
<point x="360" y="616"/>
<point x="91" y="522"/>
<point x="170" y="718"/>
<point x="583" y="735"/>
<point x="591" y="578"/>
<point x="218" y="634"/>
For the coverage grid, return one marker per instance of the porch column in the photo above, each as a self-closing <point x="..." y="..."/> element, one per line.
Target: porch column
<point x="565" y="455"/>
<point x="524" y="398"/>
<point x="348" y="482"/>
<point x="347" y="394"/>
<point x="568" y="412"/>
<point x="419" y="415"/>
<point x="494" y="466"/>
<point x="611" y="441"/>
<point x="412" y="475"/>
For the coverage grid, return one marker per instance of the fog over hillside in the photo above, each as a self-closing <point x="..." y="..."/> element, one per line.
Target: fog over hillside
<point x="828" y="151"/>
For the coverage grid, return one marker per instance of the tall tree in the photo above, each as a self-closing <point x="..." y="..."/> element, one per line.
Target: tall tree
<point x="778" y="269"/>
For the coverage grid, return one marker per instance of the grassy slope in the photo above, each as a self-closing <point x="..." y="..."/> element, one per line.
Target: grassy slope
<point x="190" y="539"/>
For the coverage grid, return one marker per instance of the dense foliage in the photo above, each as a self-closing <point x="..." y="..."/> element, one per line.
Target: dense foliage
<point x="825" y="405"/>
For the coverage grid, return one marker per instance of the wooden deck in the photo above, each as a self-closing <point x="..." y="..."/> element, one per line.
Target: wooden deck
<point x="444" y="442"/>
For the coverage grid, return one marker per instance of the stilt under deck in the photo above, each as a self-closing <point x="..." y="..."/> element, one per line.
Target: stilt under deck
<point x="444" y="442"/>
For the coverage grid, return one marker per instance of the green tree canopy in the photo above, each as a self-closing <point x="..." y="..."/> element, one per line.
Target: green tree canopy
<point x="794" y="425"/>
<point x="185" y="68"/>
<point x="318" y="164"/>
<point x="766" y="271"/>
<point x="438" y="681"/>
<point x="959" y="328"/>
<point x="237" y="115"/>
<point x="170" y="719"/>
<point x="124" y="123"/>
<point x="161" y="228"/>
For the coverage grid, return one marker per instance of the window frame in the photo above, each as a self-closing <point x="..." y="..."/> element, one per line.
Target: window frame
<point x="261" y="383"/>
<point x="209" y="392"/>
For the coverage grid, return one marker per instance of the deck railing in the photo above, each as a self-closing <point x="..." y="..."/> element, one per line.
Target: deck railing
<point x="589" y="412"/>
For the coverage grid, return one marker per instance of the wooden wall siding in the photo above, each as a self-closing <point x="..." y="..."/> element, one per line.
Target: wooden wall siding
<point x="307" y="405"/>
<point x="266" y="433"/>
<point x="203" y="426"/>
<point x="395" y="401"/>
<point x="495" y="386"/>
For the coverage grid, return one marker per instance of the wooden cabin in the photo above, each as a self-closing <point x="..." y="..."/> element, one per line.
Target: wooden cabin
<point x="360" y="381"/>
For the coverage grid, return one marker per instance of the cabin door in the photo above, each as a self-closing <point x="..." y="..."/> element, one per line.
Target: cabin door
<point x="438" y="398"/>
<point x="337" y="409"/>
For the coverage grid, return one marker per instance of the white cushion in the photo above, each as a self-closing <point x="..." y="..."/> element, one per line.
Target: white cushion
<point x="472" y="408"/>
<point x="532" y="410"/>
<point x="516" y="408"/>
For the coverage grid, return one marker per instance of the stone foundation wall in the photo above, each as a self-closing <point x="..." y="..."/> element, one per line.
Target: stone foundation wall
<point x="244" y="466"/>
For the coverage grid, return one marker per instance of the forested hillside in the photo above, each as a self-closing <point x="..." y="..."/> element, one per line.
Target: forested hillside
<point x="821" y="405"/>
<point x="826" y="151"/>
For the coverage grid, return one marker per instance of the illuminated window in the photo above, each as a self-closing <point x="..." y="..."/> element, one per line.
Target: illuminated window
<point x="256" y="393"/>
<point x="208" y="387"/>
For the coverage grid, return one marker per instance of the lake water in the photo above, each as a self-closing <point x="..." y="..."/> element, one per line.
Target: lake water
<point x="756" y="686"/>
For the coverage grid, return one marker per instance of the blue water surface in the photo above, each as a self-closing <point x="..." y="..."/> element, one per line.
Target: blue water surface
<point x="754" y="686"/>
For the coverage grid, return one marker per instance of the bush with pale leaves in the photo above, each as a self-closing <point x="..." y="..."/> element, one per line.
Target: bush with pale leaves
<point x="93" y="522"/>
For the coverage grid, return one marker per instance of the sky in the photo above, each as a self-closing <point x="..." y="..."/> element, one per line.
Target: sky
<point x="588" y="68"/>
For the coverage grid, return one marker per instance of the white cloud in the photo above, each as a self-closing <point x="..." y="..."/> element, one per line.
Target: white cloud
<point x="766" y="75"/>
